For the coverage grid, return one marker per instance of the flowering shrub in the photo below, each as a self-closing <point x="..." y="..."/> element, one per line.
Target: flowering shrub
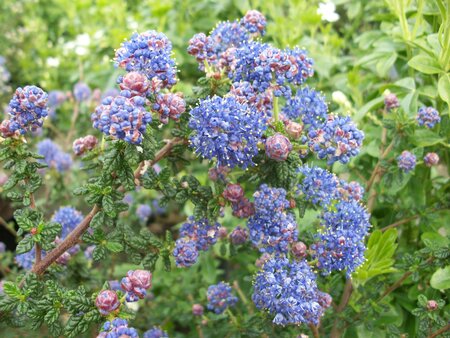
<point x="246" y="205"/>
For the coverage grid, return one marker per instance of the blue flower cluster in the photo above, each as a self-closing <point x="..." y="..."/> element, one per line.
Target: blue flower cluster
<point x="118" y="328"/>
<point x="81" y="92"/>
<point x="215" y="49"/>
<point x="194" y="236"/>
<point x="122" y="117"/>
<point x="269" y="68"/>
<point x="271" y="227"/>
<point x="220" y="298"/>
<point x="26" y="259"/>
<point x="406" y="161"/>
<point x="226" y="130"/>
<point x="143" y="211"/>
<point x="245" y="93"/>
<point x="340" y="245"/>
<point x="428" y="117"/>
<point x="319" y="186"/>
<point x="55" y="99"/>
<point x="149" y="53"/>
<point x="337" y="139"/>
<point x="69" y="218"/>
<point x="307" y="104"/>
<point x="288" y="291"/>
<point x="54" y="157"/>
<point x="155" y="332"/>
<point x="27" y="108"/>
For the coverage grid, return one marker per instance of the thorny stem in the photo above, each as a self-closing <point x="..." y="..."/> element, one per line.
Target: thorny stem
<point x="72" y="239"/>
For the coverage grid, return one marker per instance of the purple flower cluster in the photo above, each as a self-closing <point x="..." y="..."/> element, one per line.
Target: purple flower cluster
<point x="216" y="48"/>
<point x="391" y="102"/>
<point x="169" y="105"/>
<point x="155" y="332"/>
<point x="69" y="218"/>
<point x="149" y="53"/>
<point x="289" y="292"/>
<point x="406" y="161"/>
<point x="238" y="236"/>
<point x="340" y="244"/>
<point x="54" y="157"/>
<point x="226" y="130"/>
<point x="269" y="68"/>
<point x="81" y="92"/>
<point x="220" y="298"/>
<point x="136" y="284"/>
<point x="319" y="186"/>
<point x="431" y="159"/>
<point x="84" y="144"/>
<point x="271" y="227"/>
<point x="122" y="117"/>
<point x="118" y="328"/>
<point x="428" y="117"/>
<point x="337" y="139"/>
<point x="136" y="84"/>
<point x="245" y="93"/>
<point x="27" y="109"/>
<point x="107" y="301"/>
<point x="351" y="190"/>
<point x="194" y="236"/>
<point x="143" y="211"/>
<point x="307" y="104"/>
<point x="26" y="259"/>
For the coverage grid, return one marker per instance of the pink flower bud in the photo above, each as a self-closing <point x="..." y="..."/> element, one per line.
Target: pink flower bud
<point x="107" y="302"/>
<point x="233" y="192"/>
<point x="278" y="147"/>
<point x="432" y="305"/>
<point x="431" y="159"/>
<point x="222" y="233"/>
<point x="136" y="83"/>
<point x="294" y="129"/>
<point x="238" y="236"/>
<point x="197" y="310"/>
<point x="299" y="250"/>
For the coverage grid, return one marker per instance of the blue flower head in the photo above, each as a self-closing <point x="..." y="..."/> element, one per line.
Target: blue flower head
<point x="220" y="297"/>
<point x="319" y="186"/>
<point x="156" y="332"/>
<point x="185" y="252"/>
<point x="226" y="130"/>
<point x="307" y="104"/>
<point x="69" y="218"/>
<point x="201" y="232"/>
<point x="428" y="117"/>
<point x="406" y="161"/>
<point x="54" y="157"/>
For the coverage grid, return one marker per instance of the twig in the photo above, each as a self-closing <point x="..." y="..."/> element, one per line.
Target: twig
<point x="242" y="296"/>
<point x="73" y="237"/>
<point x="403" y="221"/>
<point x="441" y="330"/>
<point x="348" y="288"/>
<point x="314" y="330"/>
<point x="7" y="227"/>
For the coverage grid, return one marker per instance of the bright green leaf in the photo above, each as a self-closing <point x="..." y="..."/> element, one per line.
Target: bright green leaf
<point x="441" y="279"/>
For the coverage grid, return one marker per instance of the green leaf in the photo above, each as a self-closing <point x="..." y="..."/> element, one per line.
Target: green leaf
<point x="149" y="261"/>
<point x="51" y="230"/>
<point x="379" y="256"/>
<point x="441" y="279"/>
<point x="114" y="246"/>
<point x="12" y="290"/>
<point x="108" y="205"/>
<point x="425" y="64"/>
<point x="426" y="138"/>
<point x="99" y="253"/>
<point x="444" y="87"/>
<point x="25" y="245"/>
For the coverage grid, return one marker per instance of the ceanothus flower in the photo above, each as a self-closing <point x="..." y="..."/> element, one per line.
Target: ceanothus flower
<point x="69" y="218"/>
<point x="54" y="157"/>
<point x="337" y="139"/>
<point x="238" y="236"/>
<point x="307" y="104"/>
<point x="201" y="232"/>
<point x="169" y="105"/>
<point x="28" y="109"/>
<point x="431" y="159"/>
<point x="107" y="301"/>
<point x="185" y="252"/>
<point x="340" y="244"/>
<point x="227" y="35"/>
<point x="135" y="83"/>
<point x="270" y="200"/>
<point x="220" y="298"/>
<point x="155" y="332"/>
<point x="245" y="93"/>
<point x="197" y="310"/>
<point x="391" y="102"/>
<point x="288" y="291"/>
<point x="143" y="211"/>
<point x="278" y="147"/>
<point x="319" y="186"/>
<point x="26" y="259"/>
<point x="122" y="117"/>
<point x="81" y="92"/>
<point x="243" y="208"/>
<point x="351" y="190"/>
<point x="84" y="144"/>
<point x="233" y="192"/>
<point x="118" y="328"/>
<point x="254" y="22"/>
<point x="226" y="130"/>
<point x="406" y="161"/>
<point x="136" y="284"/>
<point x="202" y="48"/>
<point x="149" y="53"/>
<point x="428" y="117"/>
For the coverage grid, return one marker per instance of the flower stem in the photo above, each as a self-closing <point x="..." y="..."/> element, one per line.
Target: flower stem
<point x="276" y="109"/>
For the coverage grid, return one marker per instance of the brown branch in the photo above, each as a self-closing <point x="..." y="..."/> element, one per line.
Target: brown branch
<point x="441" y="330"/>
<point x="396" y="285"/>
<point x="73" y="237"/>
<point x="348" y="288"/>
<point x="66" y="244"/>
<point x="403" y="221"/>
<point x="314" y="330"/>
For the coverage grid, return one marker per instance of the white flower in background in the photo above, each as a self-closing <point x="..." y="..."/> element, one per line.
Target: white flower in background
<point x="327" y="10"/>
<point x="79" y="45"/>
<point x="83" y="40"/>
<point x="52" y="62"/>
<point x="342" y="100"/>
